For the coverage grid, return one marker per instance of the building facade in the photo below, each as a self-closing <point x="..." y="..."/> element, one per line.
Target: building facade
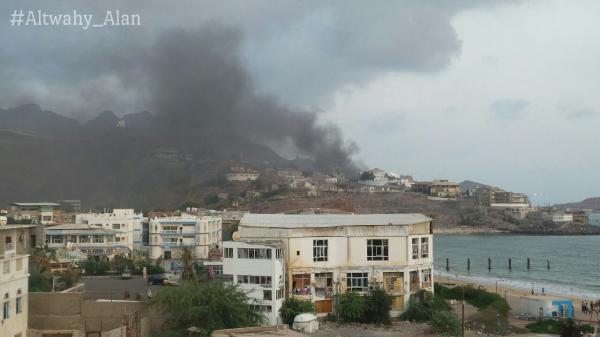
<point x="126" y="223"/>
<point x="13" y="280"/>
<point x="258" y="268"/>
<point x="40" y="212"/>
<point x="327" y="254"/>
<point x="170" y="235"/>
<point x="562" y="217"/>
<point x="91" y="240"/>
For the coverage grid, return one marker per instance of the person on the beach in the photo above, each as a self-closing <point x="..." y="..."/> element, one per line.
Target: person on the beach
<point x="584" y="306"/>
<point x="591" y="308"/>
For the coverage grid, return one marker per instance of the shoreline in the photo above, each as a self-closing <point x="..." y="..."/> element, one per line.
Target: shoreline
<point x="513" y="293"/>
<point x="492" y="231"/>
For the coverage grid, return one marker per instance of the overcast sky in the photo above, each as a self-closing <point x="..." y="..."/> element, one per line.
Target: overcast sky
<point x="501" y="92"/>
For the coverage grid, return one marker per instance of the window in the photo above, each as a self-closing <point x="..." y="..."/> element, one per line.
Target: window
<point x="98" y="239"/>
<point x="324" y="284"/>
<point x="357" y="282"/>
<point x="424" y="248"/>
<point x="320" y="250"/>
<point x="116" y="226"/>
<point x="301" y="284"/>
<point x="254" y="253"/>
<point x="19" y="307"/>
<point x="110" y="239"/>
<point x="250" y="279"/>
<point x="279" y="293"/>
<point x="298" y="253"/>
<point x="426" y="278"/>
<point x="415" y="248"/>
<point x="393" y="281"/>
<point x="377" y="250"/>
<point x="267" y="295"/>
<point x="57" y="239"/>
<point x="278" y="253"/>
<point x="5" y="306"/>
<point x="6" y="267"/>
<point x="19" y="264"/>
<point x="167" y="255"/>
<point x="84" y="239"/>
<point x="228" y="253"/>
<point x="262" y="308"/>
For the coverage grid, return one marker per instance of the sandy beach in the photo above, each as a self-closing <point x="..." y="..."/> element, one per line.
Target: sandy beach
<point x="514" y="296"/>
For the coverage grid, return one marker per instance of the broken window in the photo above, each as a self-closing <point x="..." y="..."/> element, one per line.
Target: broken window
<point x="320" y="250"/>
<point x="377" y="250"/>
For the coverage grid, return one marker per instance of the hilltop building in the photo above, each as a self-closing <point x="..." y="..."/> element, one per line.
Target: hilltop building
<point x="13" y="279"/>
<point x="170" y="235"/>
<point x="241" y="174"/>
<point x="328" y="254"/>
<point x="439" y="188"/>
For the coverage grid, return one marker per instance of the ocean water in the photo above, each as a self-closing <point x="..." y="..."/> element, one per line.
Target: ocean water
<point x="574" y="262"/>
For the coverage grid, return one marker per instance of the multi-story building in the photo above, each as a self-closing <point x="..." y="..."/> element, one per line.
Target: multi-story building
<point x="439" y="188"/>
<point x="91" y="240"/>
<point x="327" y="254"/>
<point x="169" y="235"/>
<point x="241" y="174"/>
<point x="13" y="279"/>
<point x="258" y="268"/>
<point x="40" y="212"/>
<point x="126" y="223"/>
<point x="518" y="211"/>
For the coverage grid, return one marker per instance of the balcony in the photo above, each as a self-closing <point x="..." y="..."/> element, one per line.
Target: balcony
<point x="177" y="244"/>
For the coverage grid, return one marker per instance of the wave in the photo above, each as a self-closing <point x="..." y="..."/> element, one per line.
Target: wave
<point x="552" y="288"/>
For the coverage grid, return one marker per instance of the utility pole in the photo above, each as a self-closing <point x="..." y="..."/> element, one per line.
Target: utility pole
<point x="463" y="311"/>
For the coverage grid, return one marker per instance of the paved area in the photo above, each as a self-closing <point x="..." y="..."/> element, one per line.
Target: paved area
<point x="109" y="287"/>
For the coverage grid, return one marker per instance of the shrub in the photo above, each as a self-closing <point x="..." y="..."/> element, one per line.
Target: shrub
<point x="378" y="307"/>
<point x="70" y="277"/>
<point x="566" y="328"/>
<point x="293" y="307"/>
<point x="424" y="306"/>
<point x="445" y="322"/>
<point x="351" y="307"/>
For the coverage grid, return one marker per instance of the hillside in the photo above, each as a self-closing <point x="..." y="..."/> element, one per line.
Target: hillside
<point x="587" y="204"/>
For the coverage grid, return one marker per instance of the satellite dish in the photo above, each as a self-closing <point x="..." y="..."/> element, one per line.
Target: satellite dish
<point x="235" y="236"/>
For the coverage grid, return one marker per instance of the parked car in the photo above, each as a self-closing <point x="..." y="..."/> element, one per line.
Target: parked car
<point x="172" y="280"/>
<point x="157" y="279"/>
<point x="126" y="275"/>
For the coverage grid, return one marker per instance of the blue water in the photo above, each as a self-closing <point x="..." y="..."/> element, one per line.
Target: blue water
<point x="574" y="261"/>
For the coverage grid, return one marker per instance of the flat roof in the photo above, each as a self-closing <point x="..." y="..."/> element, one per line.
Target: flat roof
<point x="79" y="227"/>
<point x="16" y="226"/>
<point x="330" y="220"/>
<point x="35" y="204"/>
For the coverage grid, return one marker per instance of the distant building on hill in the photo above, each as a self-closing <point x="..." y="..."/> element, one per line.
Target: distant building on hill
<point x="439" y="188"/>
<point x="241" y="174"/>
<point x="562" y="217"/>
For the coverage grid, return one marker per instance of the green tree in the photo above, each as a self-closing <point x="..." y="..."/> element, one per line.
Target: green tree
<point x="187" y="262"/>
<point x="293" y="307"/>
<point x="367" y="175"/>
<point x="120" y="263"/>
<point x="208" y="306"/>
<point x="39" y="281"/>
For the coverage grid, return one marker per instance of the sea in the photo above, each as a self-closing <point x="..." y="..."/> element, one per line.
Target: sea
<point x="574" y="262"/>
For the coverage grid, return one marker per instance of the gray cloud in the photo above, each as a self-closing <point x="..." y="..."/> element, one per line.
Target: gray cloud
<point x="507" y="108"/>
<point x="581" y="114"/>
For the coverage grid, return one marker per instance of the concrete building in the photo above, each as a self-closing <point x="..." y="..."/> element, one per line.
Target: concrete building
<point x="91" y="240"/>
<point x="327" y="254"/>
<point x="518" y="211"/>
<point x="41" y="212"/>
<point x="439" y="188"/>
<point x="169" y="235"/>
<point x="289" y="174"/>
<point x="126" y="223"/>
<point x="258" y="268"/>
<point x="562" y="217"/>
<point x="13" y="280"/>
<point x="241" y="174"/>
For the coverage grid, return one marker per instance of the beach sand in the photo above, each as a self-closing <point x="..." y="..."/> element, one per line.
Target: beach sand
<point x="513" y="297"/>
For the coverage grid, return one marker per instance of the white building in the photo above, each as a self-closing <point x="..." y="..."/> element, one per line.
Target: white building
<point x="241" y="174"/>
<point x="89" y="239"/>
<point x="336" y="253"/>
<point x="258" y="269"/>
<point x="14" y="276"/>
<point x="562" y="217"/>
<point x="126" y="223"/>
<point x="169" y="235"/>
